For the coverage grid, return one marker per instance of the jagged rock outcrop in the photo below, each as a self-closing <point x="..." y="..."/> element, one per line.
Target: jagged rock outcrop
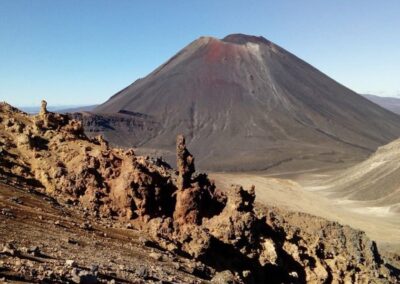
<point x="183" y="211"/>
<point x="327" y="251"/>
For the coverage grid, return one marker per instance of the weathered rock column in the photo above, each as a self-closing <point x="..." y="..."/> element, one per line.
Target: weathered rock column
<point x="187" y="208"/>
<point x="43" y="114"/>
<point x="185" y="163"/>
<point x="43" y="109"/>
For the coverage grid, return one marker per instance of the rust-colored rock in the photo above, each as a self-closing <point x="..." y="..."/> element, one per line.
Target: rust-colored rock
<point x="185" y="163"/>
<point x="183" y="212"/>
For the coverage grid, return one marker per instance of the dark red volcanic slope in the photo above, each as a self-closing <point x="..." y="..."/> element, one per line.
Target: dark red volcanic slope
<point x="245" y="103"/>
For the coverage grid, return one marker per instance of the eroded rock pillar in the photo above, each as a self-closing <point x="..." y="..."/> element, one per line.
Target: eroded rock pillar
<point x="185" y="163"/>
<point x="43" y="109"/>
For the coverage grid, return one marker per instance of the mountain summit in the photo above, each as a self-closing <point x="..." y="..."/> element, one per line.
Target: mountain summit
<point x="244" y="103"/>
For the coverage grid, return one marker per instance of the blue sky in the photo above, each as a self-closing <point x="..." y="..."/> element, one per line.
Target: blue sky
<point x="76" y="52"/>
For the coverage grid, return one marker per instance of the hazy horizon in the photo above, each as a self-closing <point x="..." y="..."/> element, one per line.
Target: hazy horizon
<point x="56" y="107"/>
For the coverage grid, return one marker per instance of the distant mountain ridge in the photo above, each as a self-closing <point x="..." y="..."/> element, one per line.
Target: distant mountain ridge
<point x="245" y="103"/>
<point x="389" y="103"/>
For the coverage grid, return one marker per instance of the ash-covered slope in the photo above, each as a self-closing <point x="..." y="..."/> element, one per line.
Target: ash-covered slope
<point x="208" y="233"/>
<point x="245" y="103"/>
<point x="375" y="180"/>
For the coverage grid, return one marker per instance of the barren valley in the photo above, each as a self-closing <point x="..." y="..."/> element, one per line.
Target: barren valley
<point x="304" y="193"/>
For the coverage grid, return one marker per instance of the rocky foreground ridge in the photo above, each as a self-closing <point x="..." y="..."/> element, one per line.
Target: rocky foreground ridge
<point x="184" y="215"/>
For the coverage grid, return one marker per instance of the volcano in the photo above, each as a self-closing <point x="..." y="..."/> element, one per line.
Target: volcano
<point x="244" y="103"/>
